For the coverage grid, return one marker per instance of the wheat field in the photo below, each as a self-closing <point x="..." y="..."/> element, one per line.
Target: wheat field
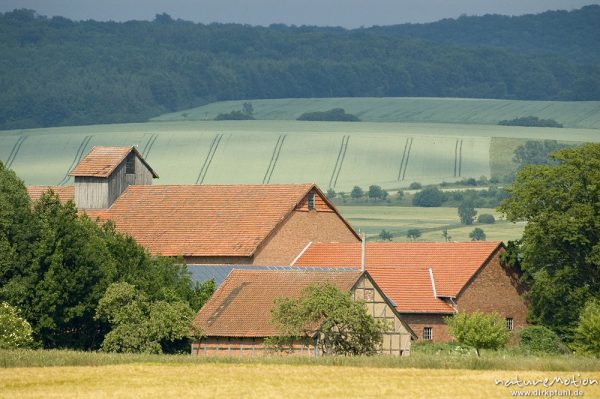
<point x="264" y="381"/>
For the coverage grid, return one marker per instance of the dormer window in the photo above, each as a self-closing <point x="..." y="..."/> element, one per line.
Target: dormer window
<point x="311" y="201"/>
<point x="130" y="164"/>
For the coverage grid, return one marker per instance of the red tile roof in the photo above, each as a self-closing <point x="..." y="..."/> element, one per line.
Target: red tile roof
<point x="102" y="161"/>
<point x="402" y="269"/>
<point x="203" y="220"/>
<point x="241" y="307"/>
<point x="65" y="193"/>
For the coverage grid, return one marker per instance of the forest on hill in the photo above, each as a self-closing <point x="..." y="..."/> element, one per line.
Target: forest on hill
<point x="57" y="72"/>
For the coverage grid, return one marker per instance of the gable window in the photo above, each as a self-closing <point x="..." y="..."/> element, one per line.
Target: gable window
<point x="509" y="323"/>
<point x="130" y="164"/>
<point x="427" y="333"/>
<point x="311" y="201"/>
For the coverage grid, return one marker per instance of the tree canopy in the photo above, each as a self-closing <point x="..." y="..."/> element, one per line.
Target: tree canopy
<point x="560" y="248"/>
<point x="343" y="324"/>
<point x="479" y="330"/>
<point x="55" y="266"/>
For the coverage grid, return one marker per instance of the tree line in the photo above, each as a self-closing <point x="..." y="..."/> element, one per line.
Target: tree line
<point x="60" y="72"/>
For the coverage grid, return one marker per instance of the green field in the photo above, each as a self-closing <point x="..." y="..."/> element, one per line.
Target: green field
<point x="579" y="114"/>
<point x="331" y="154"/>
<point x="431" y="221"/>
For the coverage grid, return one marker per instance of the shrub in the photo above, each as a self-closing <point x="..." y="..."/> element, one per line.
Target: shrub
<point x="587" y="334"/>
<point x="529" y="121"/>
<point x="541" y="339"/>
<point x="335" y="114"/>
<point x="486" y="218"/>
<point x="415" y="186"/>
<point x="15" y="332"/>
<point x="234" y="116"/>
<point x="479" y="330"/>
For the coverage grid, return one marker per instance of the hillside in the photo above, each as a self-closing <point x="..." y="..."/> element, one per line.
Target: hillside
<point x="574" y="35"/>
<point x="333" y="154"/>
<point x="580" y="114"/>
<point x="58" y="72"/>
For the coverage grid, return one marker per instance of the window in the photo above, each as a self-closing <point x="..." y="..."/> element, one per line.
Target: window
<point x="130" y="164"/>
<point x="427" y="333"/>
<point x="509" y="323"/>
<point x="311" y="201"/>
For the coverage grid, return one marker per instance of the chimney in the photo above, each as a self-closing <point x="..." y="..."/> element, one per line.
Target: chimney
<point x="363" y="247"/>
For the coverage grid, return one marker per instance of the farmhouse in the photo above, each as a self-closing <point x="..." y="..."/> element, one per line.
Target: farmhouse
<point x="206" y="224"/>
<point x="237" y="318"/>
<point x="429" y="281"/>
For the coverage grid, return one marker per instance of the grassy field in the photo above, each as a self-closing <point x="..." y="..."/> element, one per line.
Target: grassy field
<point x="332" y="154"/>
<point x="580" y="114"/>
<point x="431" y="221"/>
<point x="29" y="374"/>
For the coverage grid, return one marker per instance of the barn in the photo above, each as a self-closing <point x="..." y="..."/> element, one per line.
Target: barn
<point x="206" y="224"/>
<point x="429" y="281"/>
<point x="237" y="318"/>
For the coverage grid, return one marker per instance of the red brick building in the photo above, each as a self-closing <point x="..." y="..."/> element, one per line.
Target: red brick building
<point x="237" y="318"/>
<point x="430" y="281"/>
<point x="206" y="224"/>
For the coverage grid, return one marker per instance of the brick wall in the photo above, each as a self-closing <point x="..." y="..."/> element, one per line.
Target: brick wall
<point x="492" y="289"/>
<point x="495" y="289"/>
<point x="418" y="321"/>
<point x="301" y="227"/>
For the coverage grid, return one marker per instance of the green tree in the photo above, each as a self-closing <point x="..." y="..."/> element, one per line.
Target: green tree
<point x="385" y="235"/>
<point x="560" y="248"/>
<point x="467" y="212"/>
<point x="429" y="197"/>
<point x="447" y="237"/>
<point x="536" y="152"/>
<point x="344" y="325"/>
<point x="479" y="330"/>
<point x="357" y="192"/>
<point x="413" y="234"/>
<point x="15" y="332"/>
<point x="248" y="109"/>
<point x="55" y="266"/>
<point x="587" y="333"/>
<point x="139" y="325"/>
<point x="376" y="192"/>
<point x="477" y="234"/>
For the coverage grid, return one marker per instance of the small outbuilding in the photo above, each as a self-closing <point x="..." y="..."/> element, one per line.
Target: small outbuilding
<point x="237" y="318"/>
